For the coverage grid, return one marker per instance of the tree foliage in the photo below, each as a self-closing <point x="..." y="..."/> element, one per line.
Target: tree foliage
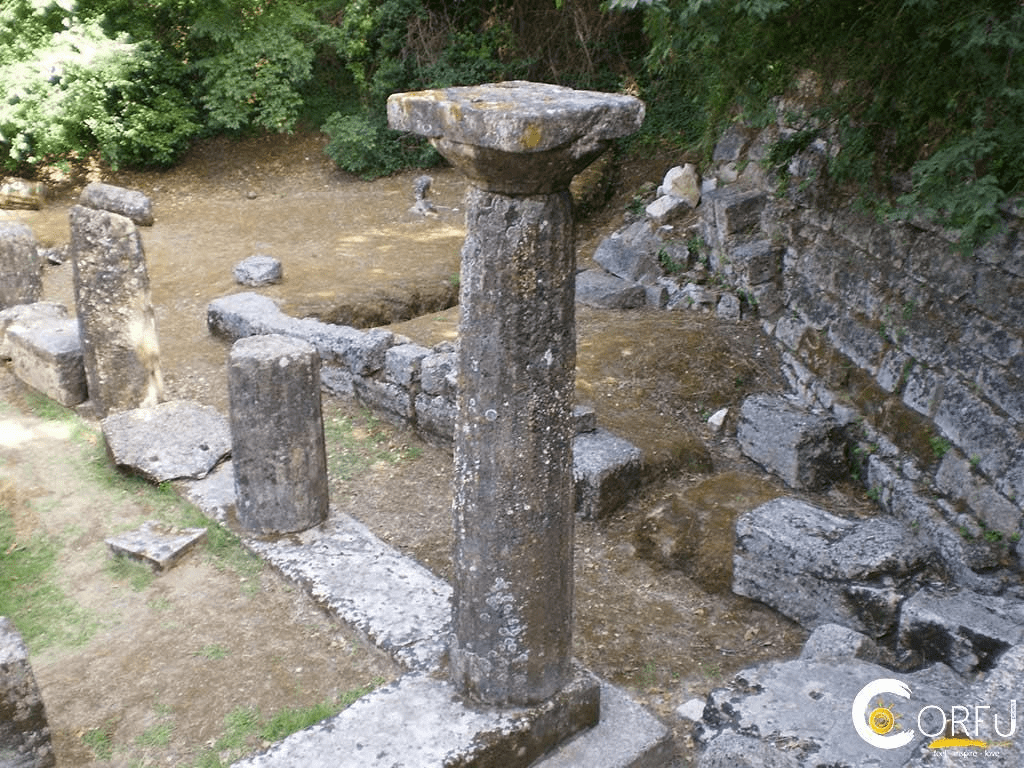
<point x="926" y="90"/>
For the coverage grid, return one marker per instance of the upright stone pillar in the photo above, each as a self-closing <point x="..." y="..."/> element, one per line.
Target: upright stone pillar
<point x="519" y="144"/>
<point x="277" y="434"/>
<point x="21" y="269"/>
<point x="115" y="312"/>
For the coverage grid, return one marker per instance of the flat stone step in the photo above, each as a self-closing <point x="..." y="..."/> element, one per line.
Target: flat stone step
<point x="47" y="355"/>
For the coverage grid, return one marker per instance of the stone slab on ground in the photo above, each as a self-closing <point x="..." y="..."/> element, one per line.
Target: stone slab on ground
<point x="156" y="544"/>
<point x="258" y="270"/>
<point x="817" y="568"/>
<point x="47" y="355"/>
<point x="24" y="731"/>
<point x="131" y="203"/>
<point x="597" y="288"/>
<point x="421" y="721"/>
<point x="401" y="606"/>
<point x="169" y="441"/>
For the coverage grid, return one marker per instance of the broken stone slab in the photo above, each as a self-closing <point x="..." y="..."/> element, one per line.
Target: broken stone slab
<point x="130" y="203"/>
<point x="597" y="288"/>
<point x="517" y="137"/>
<point x="963" y="629"/>
<point x="21" y="269"/>
<point x="246" y="314"/>
<point x="623" y="260"/>
<point x="607" y="470"/>
<point x="25" y="740"/>
<point x="156" y="544"/>
<point x="172" y="440"/>
<point x="24" y="315"/>
<point x="832" y="641"/>
<point x="817" y="568"/>
<point x="258" y="270"/>
<point x="805" y="449"/>
<point x="801" y="714"/>
<point x="47" y="355"/>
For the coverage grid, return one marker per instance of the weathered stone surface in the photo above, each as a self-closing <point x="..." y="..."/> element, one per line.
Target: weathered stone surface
<point x="130" y="203"/>
<point x="246" y="314"/>
<point x="402" y="364"/>
<point x="23" y="315"/>
<point x="168" y="441"/>
<point x="438" y="374"/>
<point x="258" y="270"/>
<point x="392" y="401"/>
<point x="435" y="418"/>
<point x="835" y="642"/>
<point x="817" y="568"/>
<point x="517" y="352"/>
<point x="805" y="449"/>
<point x="24" y="730"/>
<point x="597" y="288"/>
<point x="682" y="182"/>
<point x="623" y="260"/>
<point x="156" y="544"/>
<point x="21" y="269"/>
<point x="584" y="418"/>
<point x="606" y="471"/>
<point x="963" y="629"/>
<point x="47" y="355"/>
<point x="277" y="434"/>
<point x="115" y="312"/>
<point x="517" y="137"/>
<point x="800" y="713"/>
<point x="666" y="209"/>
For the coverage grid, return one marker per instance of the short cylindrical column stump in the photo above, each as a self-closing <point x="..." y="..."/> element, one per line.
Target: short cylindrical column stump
<point x="519" y="144"/>
<point x="277" y="434"/>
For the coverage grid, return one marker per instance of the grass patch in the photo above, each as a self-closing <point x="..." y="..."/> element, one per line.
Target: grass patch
<point x="137" y="575"/>
<point x="30" y="594"/>
<point x="212" y="652"/>
<point x="244" y="727"/>
<point x="156" y="735"/>
<point x="355" y="445"/>
<point x="99" y="741"/>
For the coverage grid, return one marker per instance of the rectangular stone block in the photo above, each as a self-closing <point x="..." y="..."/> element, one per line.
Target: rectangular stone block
<point x="435" y="419"/>
<point x="606" y="472"/>
<point x="366" y="354"/>
<point x="805" y="449"/>
<point x="26" y="314"/>
<point x="737" y="210"/>
<point x="817" y="568"/>
<point x="47" y="355"/>
<point x="402" y="363"/>
<point x="391" y="401"/>
<point x="437" y="374"/>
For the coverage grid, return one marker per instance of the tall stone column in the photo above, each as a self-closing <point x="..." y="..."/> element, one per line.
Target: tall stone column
<point x="519" y="144"/>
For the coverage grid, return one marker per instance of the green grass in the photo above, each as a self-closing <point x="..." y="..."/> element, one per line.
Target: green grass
<point x="158" y="735"/>
<point x="137" y="575"/>
<point x="30" y="593"/>
<point x="353" y="446"/>
<point x="99" y="741"/>
<point x="244" y="726"/>
<point x="212" y="652"/>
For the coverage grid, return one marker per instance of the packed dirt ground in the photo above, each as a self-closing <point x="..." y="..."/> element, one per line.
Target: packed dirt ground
<point x="166" y="670"/>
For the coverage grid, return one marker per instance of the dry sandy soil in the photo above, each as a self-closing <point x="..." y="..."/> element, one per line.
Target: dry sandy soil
<point x="206" y="640"/>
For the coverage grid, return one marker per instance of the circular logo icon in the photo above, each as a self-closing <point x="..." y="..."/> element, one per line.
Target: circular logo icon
<point x="875" y="726"/>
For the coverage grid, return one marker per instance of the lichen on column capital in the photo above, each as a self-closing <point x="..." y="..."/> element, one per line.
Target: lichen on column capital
<point x="517" y="137"/>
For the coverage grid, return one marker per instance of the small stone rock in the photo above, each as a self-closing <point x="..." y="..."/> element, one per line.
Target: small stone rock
<point x="717" y="419"/>
<point x="597" y="288"/>
<point x="258" y="270"/>
<point x="683" y="183"/>
<point x="126" y="202"/>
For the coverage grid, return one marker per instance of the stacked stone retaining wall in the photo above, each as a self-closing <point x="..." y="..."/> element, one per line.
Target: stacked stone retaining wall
<point x="891" y="326"/>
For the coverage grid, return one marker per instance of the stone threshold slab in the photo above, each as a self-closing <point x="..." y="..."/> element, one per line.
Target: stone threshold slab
<point x="406" y="610"/>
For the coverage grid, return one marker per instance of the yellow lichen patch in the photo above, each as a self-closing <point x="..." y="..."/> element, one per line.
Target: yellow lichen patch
<point x="532" y="135"/>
